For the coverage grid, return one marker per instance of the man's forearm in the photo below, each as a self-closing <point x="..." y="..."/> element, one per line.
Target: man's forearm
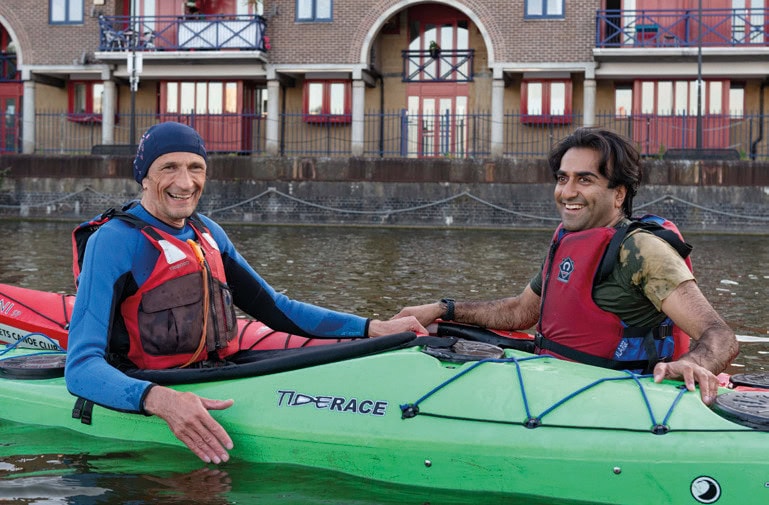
<point x="506" y="314"/>
<point x="715" y="349"/>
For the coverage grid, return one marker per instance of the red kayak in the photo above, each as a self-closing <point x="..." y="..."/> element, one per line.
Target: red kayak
<point x="28" y="314"/>
<point x="31" y="315"/>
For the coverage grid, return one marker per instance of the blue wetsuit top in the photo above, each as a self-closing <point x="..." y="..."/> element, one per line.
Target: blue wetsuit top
<point x="116" y="254"/>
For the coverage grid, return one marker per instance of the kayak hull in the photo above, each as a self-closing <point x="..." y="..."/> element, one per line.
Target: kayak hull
<point x="593" y="442"/>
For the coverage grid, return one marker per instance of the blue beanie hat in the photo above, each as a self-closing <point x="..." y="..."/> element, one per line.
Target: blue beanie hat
<point x="164" y="138"/>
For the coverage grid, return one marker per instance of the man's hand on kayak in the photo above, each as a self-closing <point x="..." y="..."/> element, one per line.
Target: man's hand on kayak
<point x="188" y="417"/>
<point x="690" y="373"/>
<point x="424" y="314"/>
<point x="377" y="328"/>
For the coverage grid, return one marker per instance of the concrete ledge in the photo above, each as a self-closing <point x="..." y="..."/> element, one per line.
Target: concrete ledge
<point x="701" y="154"/>
<point x="114" y="149"/>
<point x="462" y="171"/>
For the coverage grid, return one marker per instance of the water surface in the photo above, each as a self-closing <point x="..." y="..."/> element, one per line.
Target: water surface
<point x="369" y="271"/>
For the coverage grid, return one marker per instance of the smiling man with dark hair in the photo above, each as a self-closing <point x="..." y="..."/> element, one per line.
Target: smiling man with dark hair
<point x="613" y="291"/>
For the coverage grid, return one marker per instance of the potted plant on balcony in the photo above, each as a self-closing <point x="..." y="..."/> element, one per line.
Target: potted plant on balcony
<point x="434" y="49"/>
<point x="191" y="9"/>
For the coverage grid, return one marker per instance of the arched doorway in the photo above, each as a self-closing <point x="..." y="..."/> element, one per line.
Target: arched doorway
<point x="439" y="75"/>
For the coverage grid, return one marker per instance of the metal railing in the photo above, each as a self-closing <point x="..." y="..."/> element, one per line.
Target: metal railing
<point x="400" y="134"/>
<point x="655" y="134"/>
<point x="681" y="28"/>
<point x="444" y="65"/>
<point x="182" y="33"/>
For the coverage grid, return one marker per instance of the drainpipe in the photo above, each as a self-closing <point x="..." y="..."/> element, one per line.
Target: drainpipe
<point x="754" y="145"/>
<point x="282" y="120"/>
<point x="381" y="115"/>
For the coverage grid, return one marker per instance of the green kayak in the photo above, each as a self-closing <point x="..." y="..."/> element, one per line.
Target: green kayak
<point x="419" y="412"/>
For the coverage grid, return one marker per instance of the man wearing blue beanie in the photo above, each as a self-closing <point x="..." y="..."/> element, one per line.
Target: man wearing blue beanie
<point x="158" y="284"/>
<point x="166" y="138"/>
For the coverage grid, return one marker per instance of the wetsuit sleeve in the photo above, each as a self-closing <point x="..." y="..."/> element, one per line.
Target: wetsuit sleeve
<point x="650" y="264"/>
<point x="257" y="298"/>
<point x="107" y="262"/>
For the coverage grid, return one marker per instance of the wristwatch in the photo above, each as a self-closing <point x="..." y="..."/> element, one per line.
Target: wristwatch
<point x="449" y="314"/>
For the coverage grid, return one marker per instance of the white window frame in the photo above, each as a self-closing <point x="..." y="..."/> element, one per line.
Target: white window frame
<point x="66" y="12"/>
<point x="544" y="9"/>
<point x="317" y="11"/>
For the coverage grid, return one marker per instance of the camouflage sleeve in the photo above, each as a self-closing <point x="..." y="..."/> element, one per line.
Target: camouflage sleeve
<point x="536" y="282"/>
<point x="652" y="265"/>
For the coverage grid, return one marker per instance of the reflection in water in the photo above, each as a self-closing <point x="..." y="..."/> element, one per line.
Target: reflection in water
<point x="77" y="479"/>
<point x="38" y="473"/>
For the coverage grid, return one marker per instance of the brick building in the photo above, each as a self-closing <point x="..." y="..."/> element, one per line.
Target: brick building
<point x="455" y="78"/>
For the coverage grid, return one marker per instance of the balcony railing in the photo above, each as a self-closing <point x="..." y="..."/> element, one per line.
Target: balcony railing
<point x="182" y="33"/>
<point x="681" y="28"/>
<point x="444" y="65"/>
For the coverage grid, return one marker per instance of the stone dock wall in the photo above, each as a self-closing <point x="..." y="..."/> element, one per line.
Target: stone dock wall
<point x="709" y="196"/>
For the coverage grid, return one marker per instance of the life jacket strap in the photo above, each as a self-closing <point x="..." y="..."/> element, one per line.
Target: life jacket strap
<point x="543" y="343"/>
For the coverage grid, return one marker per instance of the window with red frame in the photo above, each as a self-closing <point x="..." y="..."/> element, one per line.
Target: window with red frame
<point x="200" y="97"/>
<point x="327" y="102"/>
<point x="546" y="101"/>
<point x="85" y="101"/>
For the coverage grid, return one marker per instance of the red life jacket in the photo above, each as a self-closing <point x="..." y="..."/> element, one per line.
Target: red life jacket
<point x="184" y="312"/>
<point x="574" y="327"/>
<point x="83" y="232"/>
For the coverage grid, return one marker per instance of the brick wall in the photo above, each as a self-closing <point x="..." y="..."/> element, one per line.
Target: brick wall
<point x="41" y="43"/>
<point x="514" y="39"/>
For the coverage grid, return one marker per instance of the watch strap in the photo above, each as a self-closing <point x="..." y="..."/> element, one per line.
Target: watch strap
<point x="448" y="315"/>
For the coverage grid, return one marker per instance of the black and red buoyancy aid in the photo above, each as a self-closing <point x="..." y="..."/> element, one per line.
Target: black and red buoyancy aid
<point x="183" y="313"/>
<point x="574" y="327"/>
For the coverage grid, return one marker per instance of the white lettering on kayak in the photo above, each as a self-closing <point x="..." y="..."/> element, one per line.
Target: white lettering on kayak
<point x="6" y="307"/>
<point x="288" y="398"/>
<point x="9" y="335"/>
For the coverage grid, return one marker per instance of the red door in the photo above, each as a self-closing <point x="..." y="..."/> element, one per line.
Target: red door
<point x="437" y="120"/>
<point x="166" y="27"/>
<point x="209" y="107"/>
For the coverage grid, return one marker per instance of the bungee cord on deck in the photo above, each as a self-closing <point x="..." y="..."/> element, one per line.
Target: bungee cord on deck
<point x="412" y="410"/>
